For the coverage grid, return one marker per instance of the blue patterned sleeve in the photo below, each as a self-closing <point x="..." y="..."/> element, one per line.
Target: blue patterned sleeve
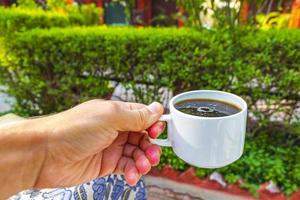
<point x="112" y="187"/>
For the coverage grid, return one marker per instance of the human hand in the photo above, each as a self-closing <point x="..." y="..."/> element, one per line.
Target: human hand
<point x="97" y="138"/>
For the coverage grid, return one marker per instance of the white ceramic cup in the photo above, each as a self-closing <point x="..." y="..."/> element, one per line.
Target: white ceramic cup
<point x="206" y="142"/>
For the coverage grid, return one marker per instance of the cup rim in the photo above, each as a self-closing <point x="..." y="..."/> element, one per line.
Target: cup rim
<point x="243" y="109"/>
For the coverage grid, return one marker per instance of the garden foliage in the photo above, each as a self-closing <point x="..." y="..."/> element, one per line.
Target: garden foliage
<point x="18" y="19"/>
<point x="51" y="70"/>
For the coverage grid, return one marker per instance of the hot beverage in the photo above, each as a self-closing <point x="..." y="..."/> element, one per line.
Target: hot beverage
<point x="206" y="107"/>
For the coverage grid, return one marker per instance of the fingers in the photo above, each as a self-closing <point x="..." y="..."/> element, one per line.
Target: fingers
<point x="156" y="129"/>
<point x="141" y="161"/>
<point x="136" y="138"/>
<point x="153" y="153"/>
<point x="138" y="158"/>
<point x="136" y="117"/>
<point x="112" y="154"/>
<point x="131" y="173"/>
<point x="127" y="167"/>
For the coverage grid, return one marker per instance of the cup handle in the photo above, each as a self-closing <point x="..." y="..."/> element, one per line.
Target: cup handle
<point x="163" y="142"/>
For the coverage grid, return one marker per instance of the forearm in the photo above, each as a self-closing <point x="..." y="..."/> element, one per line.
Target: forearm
<point x="22" y="151"/>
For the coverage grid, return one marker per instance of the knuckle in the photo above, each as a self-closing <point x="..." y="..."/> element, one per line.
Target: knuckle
<point x="137" y="153"/>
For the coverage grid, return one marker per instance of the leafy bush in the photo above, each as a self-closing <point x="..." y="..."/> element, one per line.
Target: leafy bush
<point x="19" y="19"/>
<point x="51" y="70"/>
<point x="16" y="19"/>
<point x="259" y="66"/>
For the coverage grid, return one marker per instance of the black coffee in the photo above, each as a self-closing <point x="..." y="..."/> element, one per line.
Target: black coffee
<point x="207" y="107"/>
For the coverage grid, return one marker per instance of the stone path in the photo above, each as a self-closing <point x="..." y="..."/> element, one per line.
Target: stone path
<point x="165" y="189"/>
<point x="4" y="106"/>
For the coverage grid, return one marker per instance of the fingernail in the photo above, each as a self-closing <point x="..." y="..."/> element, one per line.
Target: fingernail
<point x="154" y="107"/>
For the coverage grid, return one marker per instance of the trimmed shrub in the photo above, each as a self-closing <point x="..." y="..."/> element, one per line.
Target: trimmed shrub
<point x="259" y="66"/>
<point x="20" y="19"/>
<point x="17" y="19"/>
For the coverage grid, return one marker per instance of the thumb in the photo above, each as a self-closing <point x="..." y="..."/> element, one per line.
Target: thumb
<point x="141" y="118"/>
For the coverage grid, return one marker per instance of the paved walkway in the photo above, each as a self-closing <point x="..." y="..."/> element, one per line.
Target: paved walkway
<point x="4" y="106"/>
<point x="166" y="189"/>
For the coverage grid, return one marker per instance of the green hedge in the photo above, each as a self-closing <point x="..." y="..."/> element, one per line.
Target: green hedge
<point x="16" y="19"/>
<point x="51" y="70"/>
<point x="259" y="66"/>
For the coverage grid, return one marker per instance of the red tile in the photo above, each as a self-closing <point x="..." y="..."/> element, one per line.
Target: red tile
<point x="237" y="190"/>
<point x="265" y="194"/>
<point x="197" y="181"/>
<point x="169" y="172"/>
<point x="296" y="196"/>
<point x="213" y="185"/>
<point x="188" y="176"/>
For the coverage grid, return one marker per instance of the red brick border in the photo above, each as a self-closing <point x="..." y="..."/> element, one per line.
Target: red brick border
<point x="296" y="195"/>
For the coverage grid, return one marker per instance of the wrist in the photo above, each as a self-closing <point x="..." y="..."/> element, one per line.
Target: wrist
<point x="23" y="147"/>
